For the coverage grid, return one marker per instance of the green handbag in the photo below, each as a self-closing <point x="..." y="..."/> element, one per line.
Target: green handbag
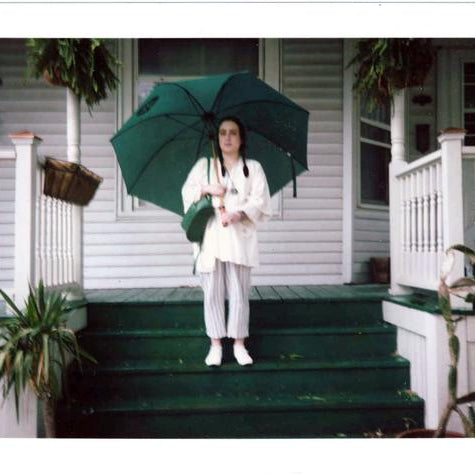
<point x="196" y="218"/>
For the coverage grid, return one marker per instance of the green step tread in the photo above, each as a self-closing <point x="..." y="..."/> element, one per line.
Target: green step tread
<point x="166" y="332"/>
<point x="250" y="403"/>
<point x="163" y="366"/>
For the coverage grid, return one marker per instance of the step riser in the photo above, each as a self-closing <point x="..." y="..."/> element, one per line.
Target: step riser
<point x="263" y="315"/>
<point x="320" y="423"/>
<point x="216" y="381"/>
<point x="189" y="348"/>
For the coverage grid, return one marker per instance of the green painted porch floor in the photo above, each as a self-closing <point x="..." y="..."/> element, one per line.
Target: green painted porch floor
<point x="294" y="293"/>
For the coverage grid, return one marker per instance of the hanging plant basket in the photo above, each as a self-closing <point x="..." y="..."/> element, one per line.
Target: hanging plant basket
<point x="70" y="181"/>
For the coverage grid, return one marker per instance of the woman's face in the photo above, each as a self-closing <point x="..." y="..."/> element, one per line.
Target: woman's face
<point x="229" y="137"/>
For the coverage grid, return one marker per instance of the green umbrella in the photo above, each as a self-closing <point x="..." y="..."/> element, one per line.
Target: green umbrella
<point x="157" y="147"/>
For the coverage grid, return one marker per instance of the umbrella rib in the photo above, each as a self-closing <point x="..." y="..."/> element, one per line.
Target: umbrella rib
<point x="168" y="114"/>
<point x="171" y="139"/>
<point x="192" y="98"/>
<point x="262" y="101"/>
<point x="188" y="126"/>
<point x="276" y="143"/>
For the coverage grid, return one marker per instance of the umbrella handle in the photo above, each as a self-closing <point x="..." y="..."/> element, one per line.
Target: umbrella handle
<point x="221" y="208"/>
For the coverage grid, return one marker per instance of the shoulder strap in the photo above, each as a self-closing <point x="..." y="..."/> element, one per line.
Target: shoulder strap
<point x="208" y="169"/>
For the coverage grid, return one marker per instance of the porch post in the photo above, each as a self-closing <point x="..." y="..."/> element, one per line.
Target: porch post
<point x="26" y="144"/>
<point x="74" y="155"/>
<point x="398" y="164"/>
<point x="451" y="142"/>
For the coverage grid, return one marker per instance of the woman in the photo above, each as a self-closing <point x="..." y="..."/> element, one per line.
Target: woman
<point x="229" y="247"/>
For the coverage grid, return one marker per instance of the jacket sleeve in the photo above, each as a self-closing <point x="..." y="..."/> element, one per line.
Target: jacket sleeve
<point x="191" y="190"/>
<point x="258" y="205"/>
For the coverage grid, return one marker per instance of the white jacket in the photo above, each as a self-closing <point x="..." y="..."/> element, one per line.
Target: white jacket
<point x="237" y="242"/>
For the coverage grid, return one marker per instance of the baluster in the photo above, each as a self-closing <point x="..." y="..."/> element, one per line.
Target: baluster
<point x="64" y="273"/>
<point x="402" y="190"/>
<point x="413" y="224"/>
<point x="70" y="244"/>
<point x="60" y="243"/>
<point x="38" y="239"/>
<point x="425" y="223"/>
<point x="418" y="272"/>
<point x="433" y="222"/>
<point x="48" y="243"/>
<point x="55" y="241"/>
<point x="440" y="237"/>
<point x="407" y="198"/>
<point x="42" y="226"/>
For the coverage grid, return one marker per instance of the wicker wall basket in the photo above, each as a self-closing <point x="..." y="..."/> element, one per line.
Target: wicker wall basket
<point x="70" y="182"/>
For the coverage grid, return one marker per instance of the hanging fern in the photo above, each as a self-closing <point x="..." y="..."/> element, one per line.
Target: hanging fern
<point x="387" y="65"/>
<point x="85" y="65"/>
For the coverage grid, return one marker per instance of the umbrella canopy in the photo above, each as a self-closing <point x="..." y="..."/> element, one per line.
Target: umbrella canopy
<point x="157" y="147"/>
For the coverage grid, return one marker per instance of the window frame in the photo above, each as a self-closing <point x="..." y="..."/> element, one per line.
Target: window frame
<point x="128" y="207"/>
<point x="357" y="119"/>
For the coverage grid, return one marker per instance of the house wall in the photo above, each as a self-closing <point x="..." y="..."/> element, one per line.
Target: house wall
<point x="302" y="246"/>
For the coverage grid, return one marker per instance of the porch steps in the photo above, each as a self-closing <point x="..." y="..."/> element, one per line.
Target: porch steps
<point x="324" y="367"/>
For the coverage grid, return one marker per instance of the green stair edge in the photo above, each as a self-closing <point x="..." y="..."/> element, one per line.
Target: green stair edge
<point x="250" y="403"/>
<point x="180" y="332"/>
<point x="263" y="365"/>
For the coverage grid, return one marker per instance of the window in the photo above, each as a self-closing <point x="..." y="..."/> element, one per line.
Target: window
<point x="149" y="61"/>
<point x="468" y="88"/>
<point x="375" y="154"/>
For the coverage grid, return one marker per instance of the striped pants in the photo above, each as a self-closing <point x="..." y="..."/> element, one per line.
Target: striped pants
<point x="235" y="281"/>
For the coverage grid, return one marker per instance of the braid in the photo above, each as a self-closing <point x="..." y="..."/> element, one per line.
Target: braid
<point x="245" y="169"/>
<point x="223" y="170"/>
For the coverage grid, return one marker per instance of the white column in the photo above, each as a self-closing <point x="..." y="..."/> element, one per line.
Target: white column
<point x="451" y="142"/>
<point x="397" y="165"/>
<point x="26" y="144"/>
<point x="74" y="155"/>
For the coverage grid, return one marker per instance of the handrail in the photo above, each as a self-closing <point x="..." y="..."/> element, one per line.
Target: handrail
<point x="421" y="163"/>
<point x="7" y="153"/>
<point x="468" y="153"/>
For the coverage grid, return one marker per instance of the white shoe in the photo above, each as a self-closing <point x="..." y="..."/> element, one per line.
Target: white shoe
<point x="214" y="356"/>
<point x="241" y="355"/>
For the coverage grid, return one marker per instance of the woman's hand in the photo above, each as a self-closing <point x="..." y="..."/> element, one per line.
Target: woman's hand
<point x="214" y="190"/>
<point x="231" y="218"/>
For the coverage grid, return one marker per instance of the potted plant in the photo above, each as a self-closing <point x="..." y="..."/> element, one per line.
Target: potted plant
<point x="35" y="348"/>
<point x="84" y="65"/>
<point x="387" y="65"/>
<point x="465" y="288"/>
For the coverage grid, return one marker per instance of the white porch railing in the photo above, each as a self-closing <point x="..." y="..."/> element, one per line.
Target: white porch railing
<point x="428" y="210"/>
<point x="47" y="230"/>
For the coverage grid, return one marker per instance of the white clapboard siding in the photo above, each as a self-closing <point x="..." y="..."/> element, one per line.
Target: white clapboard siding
<point x="371" y="239"/>
<point x="7" y="216"/>
<point x="120" y="253"/>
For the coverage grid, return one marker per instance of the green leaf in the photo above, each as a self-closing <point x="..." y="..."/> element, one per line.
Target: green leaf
<point x="467" y="398"/>
<point x="10" y="303"/>
<point x="454" y="345"/>
<point x="470" y="253"/>
<point x="453" y="382"/>
<point x="46" y="358"/>
<point x="445" y="307"/>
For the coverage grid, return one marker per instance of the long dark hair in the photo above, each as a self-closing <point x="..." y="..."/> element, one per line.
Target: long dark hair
<point x="242" y="147"/>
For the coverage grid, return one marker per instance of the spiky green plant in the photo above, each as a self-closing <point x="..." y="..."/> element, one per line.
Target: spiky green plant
<point x="465" y="288"/>
<point x="35" y="347"/>
<point x="85" y="65"/>
<point x="387" y="65"/>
